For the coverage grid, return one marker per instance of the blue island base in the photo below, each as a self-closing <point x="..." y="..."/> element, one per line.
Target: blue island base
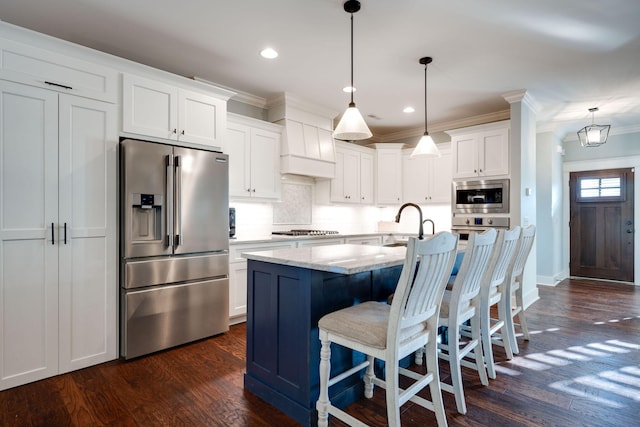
<point x="284" y="304"/>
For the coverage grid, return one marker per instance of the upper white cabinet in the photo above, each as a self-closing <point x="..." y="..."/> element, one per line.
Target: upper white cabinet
<point x="254" y="153"/>
<point x="58" y="257"/>
<point x="161" y="110"/>
<point x="481" y="151"/>
<point x="353" y="182"/>
<point x="427" y="179"/>
<point x="40" y="67"/>
<point x="388" y="173"/>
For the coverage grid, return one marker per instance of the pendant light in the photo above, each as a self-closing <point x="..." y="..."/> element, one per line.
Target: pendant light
<point x="593" y="135"/>
<point x="426" y="147"/>
<point x="352" y="126"/>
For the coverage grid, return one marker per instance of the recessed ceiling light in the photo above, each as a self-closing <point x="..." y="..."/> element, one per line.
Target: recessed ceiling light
<point x="269" y="53"/>
<point x="349" y="89"/>
<point x="409" y="110"/>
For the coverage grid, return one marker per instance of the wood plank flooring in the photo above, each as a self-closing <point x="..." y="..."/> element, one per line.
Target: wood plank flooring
<point x="581" y="368"/>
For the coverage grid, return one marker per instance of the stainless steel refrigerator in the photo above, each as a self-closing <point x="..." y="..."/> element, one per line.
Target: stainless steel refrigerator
<point x="174" y="245"/>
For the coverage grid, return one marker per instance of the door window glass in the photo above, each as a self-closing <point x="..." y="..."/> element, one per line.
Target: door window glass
<point x="600" y="189"/>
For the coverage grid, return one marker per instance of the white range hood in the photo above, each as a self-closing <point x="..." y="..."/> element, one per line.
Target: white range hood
<point x="307" y="146"/>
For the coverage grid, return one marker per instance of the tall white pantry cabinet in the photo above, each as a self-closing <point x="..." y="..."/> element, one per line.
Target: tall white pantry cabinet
<point x="58" y="265"/>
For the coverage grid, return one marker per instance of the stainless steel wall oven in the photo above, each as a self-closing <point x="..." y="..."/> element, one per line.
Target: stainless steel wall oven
<point x="481" y="197"/>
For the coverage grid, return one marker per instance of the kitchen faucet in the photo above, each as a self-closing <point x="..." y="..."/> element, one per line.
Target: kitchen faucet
<point x="420" y="229"/>
<point x="433" y="226"/>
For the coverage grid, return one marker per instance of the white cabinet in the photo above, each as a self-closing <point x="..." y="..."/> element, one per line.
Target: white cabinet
<point x="238" y="275"/>
<point x="353" y="182"/>
<point x="320" y="242"/>
<point x="161" y="110"/>
<point x="481" y="151"/>
<point x="47" y="69"/>
<point x="368" y="240"/>
<point x="388" y="172"/>
<point x="58" y="266"/>
<point x="427" y="180"/>
<point x="254" y="152"/>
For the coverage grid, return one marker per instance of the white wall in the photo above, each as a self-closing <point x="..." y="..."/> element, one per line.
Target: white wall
<point x="549" y="208"/>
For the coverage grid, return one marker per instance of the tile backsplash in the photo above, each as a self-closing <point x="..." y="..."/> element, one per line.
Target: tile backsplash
<point x="298" y="210"/>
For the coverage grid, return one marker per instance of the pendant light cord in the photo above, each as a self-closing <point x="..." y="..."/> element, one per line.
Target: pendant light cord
<point x="425" y="100"/>
<point x="352" y="104"/>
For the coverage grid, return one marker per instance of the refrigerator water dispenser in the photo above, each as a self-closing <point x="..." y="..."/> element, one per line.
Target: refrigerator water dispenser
<point x="146" y="215"/>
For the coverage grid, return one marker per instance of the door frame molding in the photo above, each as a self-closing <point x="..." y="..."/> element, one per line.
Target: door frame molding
<point x="598" y="164"/>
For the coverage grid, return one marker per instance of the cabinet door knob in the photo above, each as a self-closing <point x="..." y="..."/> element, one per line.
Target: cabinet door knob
<point x="249" y="190"/>
<point x="480" y="170"/>
<point x="175" y="130"/>
<point x="182" y="133"/>
<point x="254" y="190"/>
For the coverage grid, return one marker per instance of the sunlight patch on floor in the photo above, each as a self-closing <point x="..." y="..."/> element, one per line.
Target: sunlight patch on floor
<point x="622" y="378"/>
<point x="568" y="387"/>
<point x="501" y="369"/>
<point x="588" y="351"/>
<point x="624" y="344"/>
<point x="609" y="348"/>
<point x="529" y="364"/>
<point x="569" y="355"/>
<point x="624" y="382"/>
<point x="548" y="359"/>
<point x="603" y="384"/>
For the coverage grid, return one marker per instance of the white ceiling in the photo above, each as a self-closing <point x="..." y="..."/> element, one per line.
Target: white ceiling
<point x="569" y="55"/>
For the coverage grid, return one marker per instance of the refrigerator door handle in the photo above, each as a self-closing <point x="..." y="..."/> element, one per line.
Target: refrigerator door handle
<point x="169" y="203"/>
<point x="178" y="202"/>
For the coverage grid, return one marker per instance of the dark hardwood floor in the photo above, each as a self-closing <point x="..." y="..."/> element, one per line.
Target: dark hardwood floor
<point x="581" y="368"/>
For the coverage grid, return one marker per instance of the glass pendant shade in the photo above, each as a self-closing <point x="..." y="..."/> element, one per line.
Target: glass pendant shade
<point x="352" y="126"/>
<point x="593" y="135"/>
<point x="426" y="147"/>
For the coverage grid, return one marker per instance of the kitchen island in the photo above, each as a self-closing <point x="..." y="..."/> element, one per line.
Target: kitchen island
<point x="288" y="291"/>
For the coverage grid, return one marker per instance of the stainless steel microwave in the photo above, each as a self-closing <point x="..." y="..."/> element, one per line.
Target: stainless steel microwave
<point x="483" y="196"/>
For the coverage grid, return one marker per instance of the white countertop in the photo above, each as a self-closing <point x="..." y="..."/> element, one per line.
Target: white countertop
<point x="342" y="259"/>
<point x="277" y="237"/>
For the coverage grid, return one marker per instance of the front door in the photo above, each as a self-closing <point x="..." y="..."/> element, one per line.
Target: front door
<point x="601" y="224"/>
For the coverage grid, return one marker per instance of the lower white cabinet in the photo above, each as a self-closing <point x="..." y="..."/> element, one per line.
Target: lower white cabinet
<point x="427" y="180"/>
<point x="238" y="275"/>
<point x="320" y="242"/>
<point x="368" y="240"/>
<point x="58" y="265"/>
<point x="254" y="158"/>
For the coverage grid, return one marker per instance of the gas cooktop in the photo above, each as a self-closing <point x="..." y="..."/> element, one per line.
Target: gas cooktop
<point x="304" y="233"/>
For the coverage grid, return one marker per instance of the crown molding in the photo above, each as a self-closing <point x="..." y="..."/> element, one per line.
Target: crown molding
<point x="244" y="97"/>
<point x="444" y="126"/>
<point x="294" y="101"/>
<point x="522" y="96"/>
